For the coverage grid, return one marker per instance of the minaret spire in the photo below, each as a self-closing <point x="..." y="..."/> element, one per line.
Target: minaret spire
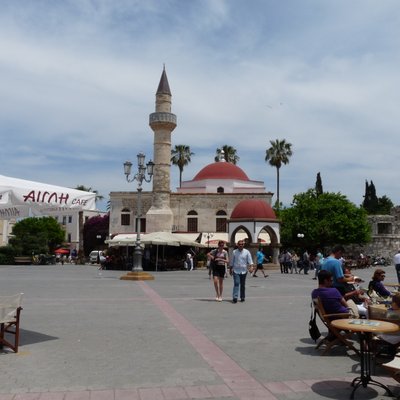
<point x="163" y="86"/>
<point x="162" y="122"/>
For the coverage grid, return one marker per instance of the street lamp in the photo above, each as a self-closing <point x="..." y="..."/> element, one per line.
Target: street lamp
<point x="208" y="235"/>
<point x="140" y="176"/>
<point x="300" y="235"/>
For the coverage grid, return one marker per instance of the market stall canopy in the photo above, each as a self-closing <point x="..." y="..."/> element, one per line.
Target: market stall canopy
<point x="155" y="238"/>
<point x="21" y="198"/>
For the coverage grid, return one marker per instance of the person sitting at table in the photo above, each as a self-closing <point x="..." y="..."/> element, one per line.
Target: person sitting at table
<point x="376" y="284"/>
<point x="357" y="295"/>
<point x="393" y="313"/>
<point x="333" y="263"/>
<point x="332" y="301"/>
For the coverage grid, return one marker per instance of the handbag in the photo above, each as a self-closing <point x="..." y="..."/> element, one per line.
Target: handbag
<point x="313" y="330"/>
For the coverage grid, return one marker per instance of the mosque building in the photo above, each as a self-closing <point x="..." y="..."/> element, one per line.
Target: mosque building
<point x="220" y="203"/>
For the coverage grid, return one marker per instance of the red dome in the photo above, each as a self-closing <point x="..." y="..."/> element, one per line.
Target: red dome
<point x="221" y="170"/>
<point x="253" y="209"/>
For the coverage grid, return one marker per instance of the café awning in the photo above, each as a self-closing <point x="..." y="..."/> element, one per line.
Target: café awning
<point x="21" y="198"/>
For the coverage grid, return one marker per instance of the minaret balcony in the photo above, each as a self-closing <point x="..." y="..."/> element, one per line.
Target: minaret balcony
<point x="162" y="117"/>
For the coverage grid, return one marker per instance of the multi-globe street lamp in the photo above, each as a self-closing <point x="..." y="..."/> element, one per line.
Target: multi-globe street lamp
<point x="145" y="173"/>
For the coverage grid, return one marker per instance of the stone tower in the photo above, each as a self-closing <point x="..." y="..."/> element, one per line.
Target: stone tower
<point x="162" y="122"/>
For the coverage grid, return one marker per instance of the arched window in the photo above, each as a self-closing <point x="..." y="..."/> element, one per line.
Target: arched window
<point x="220" y="221"/>
<point x="125" y="216"/>
<point x="192" y="221"/>
<point x="220" y="189"/>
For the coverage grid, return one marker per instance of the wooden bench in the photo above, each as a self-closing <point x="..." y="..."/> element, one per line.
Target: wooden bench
<point x="23" y="260"/>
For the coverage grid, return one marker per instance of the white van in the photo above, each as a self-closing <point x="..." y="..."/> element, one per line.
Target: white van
<point x="94" y="254"/>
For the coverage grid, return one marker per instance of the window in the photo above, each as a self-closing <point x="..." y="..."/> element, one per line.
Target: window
<point x="220" y="189"/>
<point x="384" y="228"/>
<point x="64" y="220"/>
<point x="70" y="219"/>
<point x="142" y="225"/>
<point x="125" y="217"/>
<point x="220" y="221"/>
<point x="192" y="221"/>
<point x="69" y="238"/>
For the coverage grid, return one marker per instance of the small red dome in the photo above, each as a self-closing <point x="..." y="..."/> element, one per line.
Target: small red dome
<point x="253" y="209"/>
<point x="221" y="170"/>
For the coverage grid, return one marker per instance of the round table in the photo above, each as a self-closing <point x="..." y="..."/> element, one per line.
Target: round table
<point x="365" y="328"/>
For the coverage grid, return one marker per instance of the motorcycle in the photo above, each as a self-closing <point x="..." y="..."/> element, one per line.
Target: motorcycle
<point x="379" y="261"/>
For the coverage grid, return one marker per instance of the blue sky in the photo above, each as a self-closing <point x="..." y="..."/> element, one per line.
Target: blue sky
<point x="78" y="79"/>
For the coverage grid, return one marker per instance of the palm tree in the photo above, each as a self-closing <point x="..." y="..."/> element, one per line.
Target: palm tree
<point x="278" y="154"/>
<point x="229" y="154"/>
<point x="181" y="156"/>
<point x="89" y="189"/>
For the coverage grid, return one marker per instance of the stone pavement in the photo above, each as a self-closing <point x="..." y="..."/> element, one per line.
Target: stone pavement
<point x="90" y="336"/>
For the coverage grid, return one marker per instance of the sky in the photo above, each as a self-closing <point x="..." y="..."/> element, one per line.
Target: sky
<point x="78" y="81"/>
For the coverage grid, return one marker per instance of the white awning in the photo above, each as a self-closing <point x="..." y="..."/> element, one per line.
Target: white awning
<point x="212" y="238"/>
<point x="21" y="198"/>
<point x="155" y="238"/>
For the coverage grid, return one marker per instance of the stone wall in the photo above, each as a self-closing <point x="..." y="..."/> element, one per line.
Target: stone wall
<point x="385" y="242"/>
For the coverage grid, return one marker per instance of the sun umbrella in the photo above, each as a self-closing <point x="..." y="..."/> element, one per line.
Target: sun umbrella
<point x="61" y="251"/>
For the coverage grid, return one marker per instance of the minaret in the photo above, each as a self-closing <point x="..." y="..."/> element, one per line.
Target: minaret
<point x="162" y="122"/>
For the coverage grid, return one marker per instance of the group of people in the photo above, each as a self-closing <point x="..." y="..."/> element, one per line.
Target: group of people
<point x="238" y="266"/>
<point x="340" y="291"/>
<point x="291" y="262"/>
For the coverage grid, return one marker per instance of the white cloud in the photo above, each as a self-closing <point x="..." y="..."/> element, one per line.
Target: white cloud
<point x="78" y="80"/>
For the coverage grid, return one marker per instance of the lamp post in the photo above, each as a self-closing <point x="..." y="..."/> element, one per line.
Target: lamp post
<point x="145" y="173"/>
<point x="208" y="235"/>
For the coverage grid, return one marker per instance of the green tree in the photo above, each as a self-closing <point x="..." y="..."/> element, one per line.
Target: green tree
<point x="279" y="153"/>
<point x="325" y="219"/>
<point x="38" y="235"/>
<point x="181" y="156"/>
<point x="374" y="204"/>
<point x="318" y="185"/>
<point x="89" y="189"/>
<point x="384" y="205"/>
<point x="228" y="153"/>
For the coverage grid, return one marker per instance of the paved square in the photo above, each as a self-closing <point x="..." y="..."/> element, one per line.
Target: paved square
<point x="86" y="336"/>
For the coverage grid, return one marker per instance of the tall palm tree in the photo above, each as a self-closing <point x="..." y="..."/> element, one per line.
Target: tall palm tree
<point x="229" y="154"/>
<point x="278" y="154"/>
<point x="181" y="156"/>
<point x="89" y="189"/>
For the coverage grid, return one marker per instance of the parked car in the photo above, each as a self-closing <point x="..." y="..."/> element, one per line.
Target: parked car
<point x="94" y="255"/>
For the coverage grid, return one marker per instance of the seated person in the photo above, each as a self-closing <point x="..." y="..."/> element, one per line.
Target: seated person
<point x="357" y="295"/>
<point x="376" y="284"/>
<point x="393" y="313"/>
<point x="332" y="301"/>
<point x="333" y="263"/>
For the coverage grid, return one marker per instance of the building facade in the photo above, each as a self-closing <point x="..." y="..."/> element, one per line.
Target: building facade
<point x="202" y="206"/>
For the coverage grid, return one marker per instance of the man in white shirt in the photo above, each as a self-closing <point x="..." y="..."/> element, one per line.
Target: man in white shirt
<point x="240" y="262"/>
<point x="396" y="262"/>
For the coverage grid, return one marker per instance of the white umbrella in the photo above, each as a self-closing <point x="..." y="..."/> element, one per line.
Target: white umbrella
<point x="22" y="198"/>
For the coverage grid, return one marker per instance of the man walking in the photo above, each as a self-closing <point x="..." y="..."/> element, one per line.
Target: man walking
<point x="241" y="261"/>
<point x="396" y="262"/>
<point x="260" y="260"/>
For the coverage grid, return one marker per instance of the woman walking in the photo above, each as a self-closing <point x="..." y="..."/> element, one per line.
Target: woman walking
<point x="218" y="262"/>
